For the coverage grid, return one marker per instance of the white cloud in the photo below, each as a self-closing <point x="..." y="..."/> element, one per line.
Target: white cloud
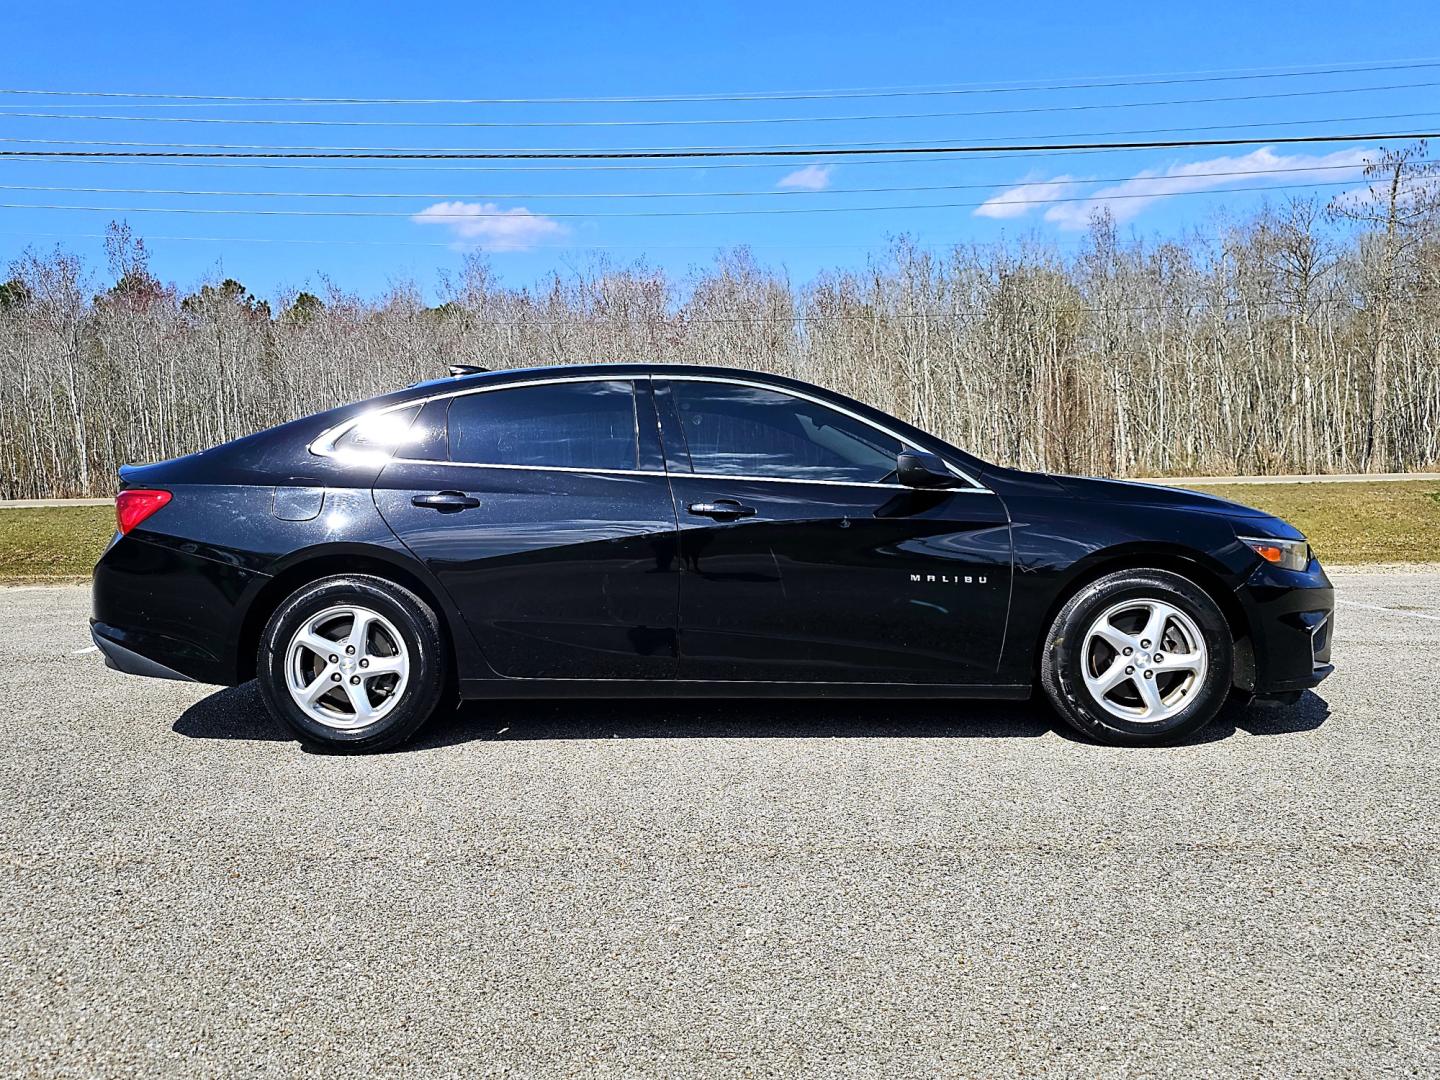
<point x="492" y="227"/>
<point x="1018" y="201"/>
<point x="810" y="178"/>
<point x="1128" y="199"/>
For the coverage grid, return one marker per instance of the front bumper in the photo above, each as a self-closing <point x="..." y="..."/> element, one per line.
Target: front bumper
<point x="1292" y="617"/>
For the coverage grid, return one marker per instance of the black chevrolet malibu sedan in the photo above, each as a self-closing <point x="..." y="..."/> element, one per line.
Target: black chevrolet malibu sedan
<point x="654" y="530"/>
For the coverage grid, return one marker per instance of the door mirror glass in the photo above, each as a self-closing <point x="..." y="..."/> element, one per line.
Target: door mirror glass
<point x="921" y="469"/>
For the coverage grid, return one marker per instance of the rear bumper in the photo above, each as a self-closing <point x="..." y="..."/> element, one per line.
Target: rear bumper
<point x="121" y="658"/>
<point x="168" y="614"/>
<point x="1292" y="617"/>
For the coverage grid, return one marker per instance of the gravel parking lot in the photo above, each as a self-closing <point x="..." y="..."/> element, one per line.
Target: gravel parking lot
<point x="719" y="889"/>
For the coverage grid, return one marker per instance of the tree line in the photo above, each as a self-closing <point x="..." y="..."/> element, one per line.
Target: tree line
<point x="1303" y="338"/>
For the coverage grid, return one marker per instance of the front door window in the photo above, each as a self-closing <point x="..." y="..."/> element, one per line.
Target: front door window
<point x="735" y="430"/>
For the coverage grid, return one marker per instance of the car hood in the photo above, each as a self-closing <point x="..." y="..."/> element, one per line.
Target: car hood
<point x="1134" y="493"/>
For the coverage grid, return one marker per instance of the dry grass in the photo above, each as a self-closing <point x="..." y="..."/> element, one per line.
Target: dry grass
<point x="1354" y="523"/>
<point x="1347" y="523"/>
<point x="53" y="543"/>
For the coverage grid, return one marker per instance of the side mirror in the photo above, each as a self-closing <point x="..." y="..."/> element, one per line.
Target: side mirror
<point x="920" y="469"/>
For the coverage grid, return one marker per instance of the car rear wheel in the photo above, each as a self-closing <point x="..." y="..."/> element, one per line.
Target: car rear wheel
<point x="1138" y="657"/>
<point x="352" y="663"/>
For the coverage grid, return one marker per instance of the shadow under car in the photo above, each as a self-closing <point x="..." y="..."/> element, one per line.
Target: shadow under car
<point x="238" y="712"/>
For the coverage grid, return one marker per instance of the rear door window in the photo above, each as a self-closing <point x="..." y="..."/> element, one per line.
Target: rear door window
<point x="570" y="425"/>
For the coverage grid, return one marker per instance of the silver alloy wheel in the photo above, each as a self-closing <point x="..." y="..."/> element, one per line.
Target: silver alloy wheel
<point x="1144" y="660"/>
<point x="347" y="667"/>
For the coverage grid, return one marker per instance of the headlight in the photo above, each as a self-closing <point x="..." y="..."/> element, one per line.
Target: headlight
<point x="1287" y="554"/>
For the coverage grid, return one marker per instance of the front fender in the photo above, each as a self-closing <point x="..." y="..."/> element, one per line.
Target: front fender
<point x="1062" y="543"/>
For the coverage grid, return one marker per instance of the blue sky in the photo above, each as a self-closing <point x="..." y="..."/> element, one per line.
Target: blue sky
<point x="540" y="219"/>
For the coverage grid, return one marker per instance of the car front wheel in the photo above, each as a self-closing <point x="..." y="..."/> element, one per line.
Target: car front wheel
<point x="352" y="663"/>
<point x="1138" y="657"/>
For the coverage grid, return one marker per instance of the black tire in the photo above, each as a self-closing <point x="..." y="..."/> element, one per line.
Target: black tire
<point x="427" y="680"/>
<point x="1061" y="661"/>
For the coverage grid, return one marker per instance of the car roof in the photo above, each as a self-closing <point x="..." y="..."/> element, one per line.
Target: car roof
<point x="617" y="368"/>
<point x="606" y="369"/>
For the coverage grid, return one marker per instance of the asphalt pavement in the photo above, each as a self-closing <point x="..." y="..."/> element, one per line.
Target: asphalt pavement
<point x="724" y="889"/>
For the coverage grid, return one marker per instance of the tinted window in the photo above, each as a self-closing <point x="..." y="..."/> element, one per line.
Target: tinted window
<point x="379" y="433"/>
<point x="428" y="439"/>
<point x="749" y="431"/>
<point x="584" y="425"/>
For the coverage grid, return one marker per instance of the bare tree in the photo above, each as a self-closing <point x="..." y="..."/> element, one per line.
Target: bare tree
<point x="1301" y="339"/>
<point x="1399" y="208"/>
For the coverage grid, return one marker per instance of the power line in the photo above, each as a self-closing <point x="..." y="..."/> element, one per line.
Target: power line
<point x="1352" y="166"/>
<point x="871" y="146"/>
<point x="27" y="156"/>
<point x="512" y="215"/>
<point x="1080" y="83"/>
<point x="705" y="122"/>
<point x="425" y="166"/>
<point x="450" y="244"/>
<point x="775" y="151"/>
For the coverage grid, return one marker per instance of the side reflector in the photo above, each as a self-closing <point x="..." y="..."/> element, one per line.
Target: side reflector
<point x="1289" y="554"/>
<point x="1270" y="552"/>
<point x="135" y="505"/>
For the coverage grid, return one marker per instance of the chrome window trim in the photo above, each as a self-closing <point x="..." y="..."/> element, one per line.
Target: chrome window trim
<point x="802" y="480"/>
<point x="658" y="472"/>
<point x="324" y="444"/>
<point x="528" y="468"/>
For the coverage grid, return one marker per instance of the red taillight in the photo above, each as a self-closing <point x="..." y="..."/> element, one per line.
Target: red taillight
<point x="134" y="506"/>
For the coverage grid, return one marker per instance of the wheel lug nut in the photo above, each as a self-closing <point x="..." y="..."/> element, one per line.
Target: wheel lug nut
<point x="336" y="676"/>
<point x="1149" y="674"/>
<point x="1128" y="650"/>
<point x="349" y="650"/>
<point x="1157" y="658"/>
<point x="334" y="659"/>
<point x="1144" y="644"/>
<point x="1129" y="671"/>
<point x="354" y="680"/>
<point x="364" y="663"/>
